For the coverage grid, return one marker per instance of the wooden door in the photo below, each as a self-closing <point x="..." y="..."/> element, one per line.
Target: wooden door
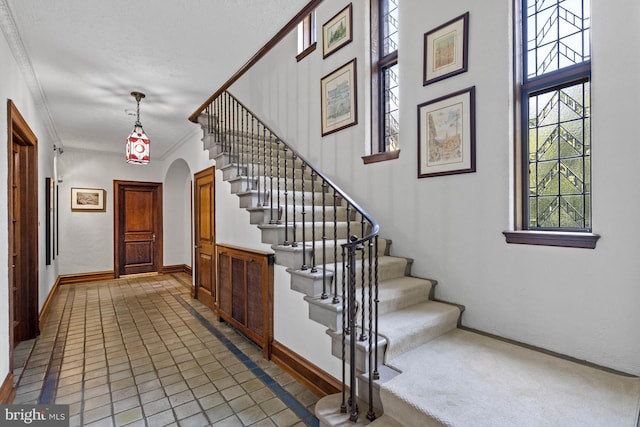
<point x="204" y="221"/>
<point x="138" y="217"/>
<point x="23" y="229"/>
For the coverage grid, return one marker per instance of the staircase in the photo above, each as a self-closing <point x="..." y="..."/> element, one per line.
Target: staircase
<point x="405" y="361"/>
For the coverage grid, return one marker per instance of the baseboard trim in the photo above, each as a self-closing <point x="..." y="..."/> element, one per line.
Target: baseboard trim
<point x="178" y="268"/>
<point x="44" y="312"/>
<point x="318" y="381"/>
<point x="551" y="353"/>
<point x="7" y="391"/>
<point x="67" y="279"/>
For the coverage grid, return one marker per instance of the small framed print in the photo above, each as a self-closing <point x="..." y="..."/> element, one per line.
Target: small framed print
<point x="445" y="50"/>
<point x="88" y="200"/>
<point x="338" y="97"/>
<point x="337" y="31"/>
<point x="446" y="135"/>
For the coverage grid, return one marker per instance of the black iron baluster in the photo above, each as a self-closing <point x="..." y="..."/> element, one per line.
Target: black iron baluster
<point x="363" y="337"/>
<point x="345" y="332"/>
<point x="376" y="374"/>
<point x="278" y="178"/>
<point x="258" y="176"/>
<point x="225" y="144"/>
<point x="324" y="241"/>
<point x="264" y="159"/>
<point x="294" y="244"/>
<point x="371" y="415"/>
<point x="271" y="177"/>
<point x="286" y="201"/>
<point x="335" y="247"/>
<point x="253" y="155"/>
<point x="304" y="218"/>
<point x="313" y="222"/>
<point x="236" y="141"/>
<point x="353" y="313"/>
<point x="241" y="142"/>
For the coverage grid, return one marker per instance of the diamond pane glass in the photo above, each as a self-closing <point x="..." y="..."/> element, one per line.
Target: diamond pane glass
<point x="389" y="9"/>
<point x="391" y="108"/>
<point x="557" y="34"/>
<point x="560" y="159"/>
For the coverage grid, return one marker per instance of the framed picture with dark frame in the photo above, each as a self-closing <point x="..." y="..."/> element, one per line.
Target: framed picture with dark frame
<point x="88" y="200"/>
<point x="338" y="97"/>
<point x="446" y="135"/>
<point x="337" y="31"/>
<point x="446" y="50"/>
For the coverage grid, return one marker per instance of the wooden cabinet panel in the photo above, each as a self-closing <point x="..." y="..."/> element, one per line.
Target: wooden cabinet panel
<point x="245" y="292"/>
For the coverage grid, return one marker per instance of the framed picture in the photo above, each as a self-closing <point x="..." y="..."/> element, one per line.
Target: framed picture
<point x="445" y="50"/>
<point x="88" y="199"/>
<point x="337" y="31"/>
<point x="446" y="135"/>
<point x="338" y="98"/>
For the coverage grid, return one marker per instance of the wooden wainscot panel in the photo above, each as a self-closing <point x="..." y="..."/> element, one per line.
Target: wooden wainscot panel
<point x="245" y="292"/>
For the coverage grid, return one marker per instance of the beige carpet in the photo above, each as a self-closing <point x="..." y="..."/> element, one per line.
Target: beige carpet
<point x="469" y="380"/>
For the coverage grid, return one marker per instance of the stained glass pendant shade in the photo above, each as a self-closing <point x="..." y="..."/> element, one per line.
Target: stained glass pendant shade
<point x="137" y="150"/>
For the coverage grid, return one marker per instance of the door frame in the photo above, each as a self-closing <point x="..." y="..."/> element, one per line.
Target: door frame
<point x="19" y="132"/>
<point x="117" y="223"/>
<point x="211" y="170"/>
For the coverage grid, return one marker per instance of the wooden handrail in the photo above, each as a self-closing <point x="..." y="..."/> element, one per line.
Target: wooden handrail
<point x="257" y="56"/>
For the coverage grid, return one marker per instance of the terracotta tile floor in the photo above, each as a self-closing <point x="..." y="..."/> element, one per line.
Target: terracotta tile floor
<point x="141" y="352"/>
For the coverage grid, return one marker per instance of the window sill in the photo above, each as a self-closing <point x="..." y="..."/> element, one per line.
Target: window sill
<point x="552" y="238"/>
<point x="381" y="157"/>
<point x="307" y="51"/>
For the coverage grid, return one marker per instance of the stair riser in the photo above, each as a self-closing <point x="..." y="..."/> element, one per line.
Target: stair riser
<point x="263" y="215"/>
<point x="258" y="161"/>
<point x="362" y="352"/>
<point x="240" y="184"/>
<point x="277" y="235"/>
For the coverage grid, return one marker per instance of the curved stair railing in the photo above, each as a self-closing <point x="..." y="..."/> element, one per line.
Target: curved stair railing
<point x="296" y="197"/>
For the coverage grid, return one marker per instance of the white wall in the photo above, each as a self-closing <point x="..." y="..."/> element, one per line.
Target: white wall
<point x="13" y="86"/>
<point x="86" y="238"/>
<point x="578" y="302"/>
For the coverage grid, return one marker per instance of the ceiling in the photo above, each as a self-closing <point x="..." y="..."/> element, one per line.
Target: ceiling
<point x="83" y="58"/>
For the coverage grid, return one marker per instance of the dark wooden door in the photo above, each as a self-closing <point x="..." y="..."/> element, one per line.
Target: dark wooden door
<point x="204" y="221"/>
<point x="138" y="227"/>
<point x="23" y="229"/>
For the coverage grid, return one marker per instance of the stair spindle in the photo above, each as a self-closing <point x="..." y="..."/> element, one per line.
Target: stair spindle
<point x="304" y="218"/>
<point x="345" y="332"/>
<point x="264" y="157"/>
<point x="277" y="221"/>
<point x="324" y="241"/>
<point x="286" y="201"/>
<point x="313" y="222"/>
<point x="294" y="244"/>
<point x="253" y="155"/>
<point x="335" y="248"/>
<point x="363" y="336"/>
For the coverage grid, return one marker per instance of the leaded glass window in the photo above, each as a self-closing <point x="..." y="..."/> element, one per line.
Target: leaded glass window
<point x="388" y="75"/>
<point x="557" y="115"/>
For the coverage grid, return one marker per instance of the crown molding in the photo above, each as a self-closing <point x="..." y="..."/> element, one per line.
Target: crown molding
<point x="16" y="45"/>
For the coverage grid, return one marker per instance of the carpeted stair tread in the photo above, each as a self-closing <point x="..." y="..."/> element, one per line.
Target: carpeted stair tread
<point x="467" y="379"/>
<point x="412" y="326"/>
<point x="400" y="292"/>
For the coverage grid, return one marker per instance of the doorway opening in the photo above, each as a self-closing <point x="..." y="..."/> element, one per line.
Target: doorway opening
<point x="22" y="182"/>
<point x="137" y="227"/>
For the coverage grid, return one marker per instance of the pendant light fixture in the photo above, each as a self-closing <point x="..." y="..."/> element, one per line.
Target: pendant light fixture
<point x="137" y="150"/>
